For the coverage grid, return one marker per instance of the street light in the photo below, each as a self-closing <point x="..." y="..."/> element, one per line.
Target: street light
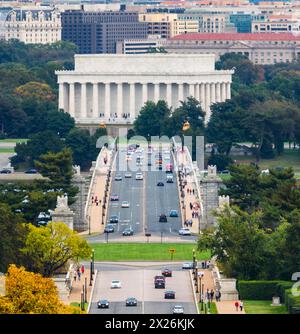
<point x="194" y="257"/>
<point x="91" y="273"/>
<point x="93" y="259"/>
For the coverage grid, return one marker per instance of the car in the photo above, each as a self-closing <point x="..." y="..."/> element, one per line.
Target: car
<point x="170" y="178"/>
<point x="167" y="272"/>
<point x="159" y="167"/>
<point x="109" y="228"/>
<point x="128" y="231"/>
<point x="178" y="309"/>
<point x="163" y="218"/>
<point x="184" y="231"/>
<point x="128" y="175"/>
<point x="125" y="204"/>
<point x="187" y="265"/>
<point x="173" y="213"/>
<point x="169" y="294"/>
<point x="139" y="163"/>
<point x="139" y="176"/>
<point x="115" y="284"/>
<point x="131" y="301"/>
<point x="225" y="171"/>
<point x="113" y="219"/>
<point x="31" y="171"/>
<point x="42" y="223"/>
<point x="149" y="163"/>
<point x="118" y="178"/>
<point x="159" y="282"/>
<point x="160" y="184"/>
<point x="114" y="197"/>
<point x="5" y="171"/>
<point x="103" y="303"/>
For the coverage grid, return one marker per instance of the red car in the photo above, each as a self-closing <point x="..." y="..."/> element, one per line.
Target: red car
<point x="167" y="273"/>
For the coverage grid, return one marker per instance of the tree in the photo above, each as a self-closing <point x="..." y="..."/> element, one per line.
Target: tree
<point x="221" y="161"/>
<point x="30" y="293"/>
<point x="12" y="236"/>
<point x="49" y="248"/>
<point x="36" y="90"/>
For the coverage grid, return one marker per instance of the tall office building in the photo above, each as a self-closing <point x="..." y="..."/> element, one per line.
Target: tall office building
<point x="99" y="32"/>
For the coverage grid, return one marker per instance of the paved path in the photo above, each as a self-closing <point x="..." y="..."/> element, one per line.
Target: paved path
<point x="227" y="307"/>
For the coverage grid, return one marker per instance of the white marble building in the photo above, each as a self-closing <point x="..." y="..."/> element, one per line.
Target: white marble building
<point x="112" y="88"/>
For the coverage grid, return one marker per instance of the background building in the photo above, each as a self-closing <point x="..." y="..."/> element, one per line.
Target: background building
<point x="33" y="26"/>
<point x="139" y="46"/>
<point x="99" y="32"/>
<point x="266" y="48"/>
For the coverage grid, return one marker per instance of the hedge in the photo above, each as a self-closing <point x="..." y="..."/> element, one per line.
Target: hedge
<point x="292" y="303"/>
<point x="281" y="289"/>
<point x="258" y="290"/>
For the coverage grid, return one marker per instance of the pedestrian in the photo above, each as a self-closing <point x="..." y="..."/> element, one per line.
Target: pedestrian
<point x="241" y="306"/>
<point x="92" y="199"/>
<point x="202" y="264"/>
<point x="236" y="304"/>
<point x="207" y="294"/>
<point x="75" y="276"/>
<point x="97" y="203"/>
<point x="82" y="269"/>
<point x="212" y="295"/>
<point x="191" y="206"/>
<point x="79" y="275"/>
<point x="193" y="214"/>
<point x="193" y="191"/>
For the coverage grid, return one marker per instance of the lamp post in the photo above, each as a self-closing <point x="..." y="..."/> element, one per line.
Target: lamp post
<point x="91" y="272"/>
<point x="194" y="257"/>
<point x="93" y="261"/>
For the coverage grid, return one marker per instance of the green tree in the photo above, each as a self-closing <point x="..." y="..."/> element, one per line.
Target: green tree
<point x="48" y="249"/>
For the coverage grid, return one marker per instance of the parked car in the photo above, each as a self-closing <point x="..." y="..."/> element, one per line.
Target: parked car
<point x="128" y="231"/>
<point x="178" y="309"/>
<point x="128" y="175"/>
<point x="173" y="213"/>
<point x="160" y="184"/>
<point x="5" y="171"/>
<point x="187" y="265"/>
<point x="115" y="284"/>
<point x="103" y="303"/>
<point x="170" y="294"/>
<point x="131" y="301"/>
<point x="167" y="272"/>
<point x="31" y="171"/>
<point x="139" y="176"/>
<point x="118" y="178"/>
<point x="163" y="218"/>
<point x="113" y="219"/>
<point x="109" y="228"/>
<point x="184" y="231"/>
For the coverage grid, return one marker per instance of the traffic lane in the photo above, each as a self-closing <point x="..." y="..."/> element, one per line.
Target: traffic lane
<point x="117" y="308"/>
<point x="167" y="308"/>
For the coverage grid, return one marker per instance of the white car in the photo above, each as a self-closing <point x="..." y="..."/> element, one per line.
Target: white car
<point x="115" y="284"/>
<point x="125" y="204"/>
<point x="139" y="176"/>
<point x="178" y="309"/>
<point x="187" y="265"/>
<point x="184" y="231"/>
<point x="128" y="175"/>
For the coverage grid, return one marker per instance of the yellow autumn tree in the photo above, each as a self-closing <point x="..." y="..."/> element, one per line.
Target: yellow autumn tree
<point x="30" y="293"/>
<point x="37" y="90"/>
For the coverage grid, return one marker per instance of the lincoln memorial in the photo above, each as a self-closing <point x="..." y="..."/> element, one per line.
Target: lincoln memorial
<point x="112" y="88"/>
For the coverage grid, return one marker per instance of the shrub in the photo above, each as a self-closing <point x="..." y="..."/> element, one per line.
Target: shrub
<point x="281" y="289"/>
<point x="258" y="290"/>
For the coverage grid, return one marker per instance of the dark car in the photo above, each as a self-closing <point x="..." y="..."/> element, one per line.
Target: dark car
<point x="160" y="184"/>
<point x="167" y="272"/>
<point x="149" y="163"/>
<point x="173" y="213"/>
<point x="169" y="294"/>
<point x="103" y="303"/>
<point x="127" y="231"/>
<point x="163" y="218"/>
<point x="131" y="301"/>
<point x="159" y="282"/>
<point x="31" y="171"/>
<point x="109" y="228"/>
<point x="159" y="167"/>
<point x="114" y="197"/>
<point x="113" y="219"/>
<point x="5" y="171"/>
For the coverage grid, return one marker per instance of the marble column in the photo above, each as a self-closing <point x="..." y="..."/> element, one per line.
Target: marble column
<point x="144" y="93"/>
<point x="83" y="112"/>
<point x="61" y="96"/>
<point x="169" y="94"/>
<point x="72" y="99"/>
<point x="218" y="92"/>
<point x="95" y="101"/>
<point x="197" y="92"/>
<point x="107" y="101"/>
<point x="156" y="92"/>
<point x="191" y="90"/>
<point x="223" y="91"/>
<point x="180" y="93"/>
<point x="212" y="93"/>
<point x="228" y="92"/>
<point x="202" y="95"/>
<point x="120" y="100"/>
<point x="132" y="100"/>
<point x="207" y="96"/>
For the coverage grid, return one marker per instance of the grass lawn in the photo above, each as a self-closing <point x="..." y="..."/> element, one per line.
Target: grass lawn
<point x="11" y="140"/>
<point x="212" y="310"/>
<point x="6" y="150"/>
<point x="77" y="305"/>
<point x="263" y="307"/>
<point x="145" y="252"/>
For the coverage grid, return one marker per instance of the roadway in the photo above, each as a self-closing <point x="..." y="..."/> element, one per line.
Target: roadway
<point x="138" y="281"/>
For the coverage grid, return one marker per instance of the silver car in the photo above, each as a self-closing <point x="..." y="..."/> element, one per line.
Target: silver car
<point x="178" y="309"/>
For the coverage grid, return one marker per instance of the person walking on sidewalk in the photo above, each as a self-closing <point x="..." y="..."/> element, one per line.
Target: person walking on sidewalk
<point x="75" y="276"/>
<point x="212" y="295"/>
<point x="82" y="269"/>
<point x="236" y="304"/>
<point x="241" y="306"/>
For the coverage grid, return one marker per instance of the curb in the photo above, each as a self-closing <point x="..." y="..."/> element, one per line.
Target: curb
<point x="92" y="292"/>
<point x="194" y="293"/>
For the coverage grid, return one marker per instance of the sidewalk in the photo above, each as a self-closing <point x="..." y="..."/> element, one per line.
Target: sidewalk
<point x="227" y="307"/>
